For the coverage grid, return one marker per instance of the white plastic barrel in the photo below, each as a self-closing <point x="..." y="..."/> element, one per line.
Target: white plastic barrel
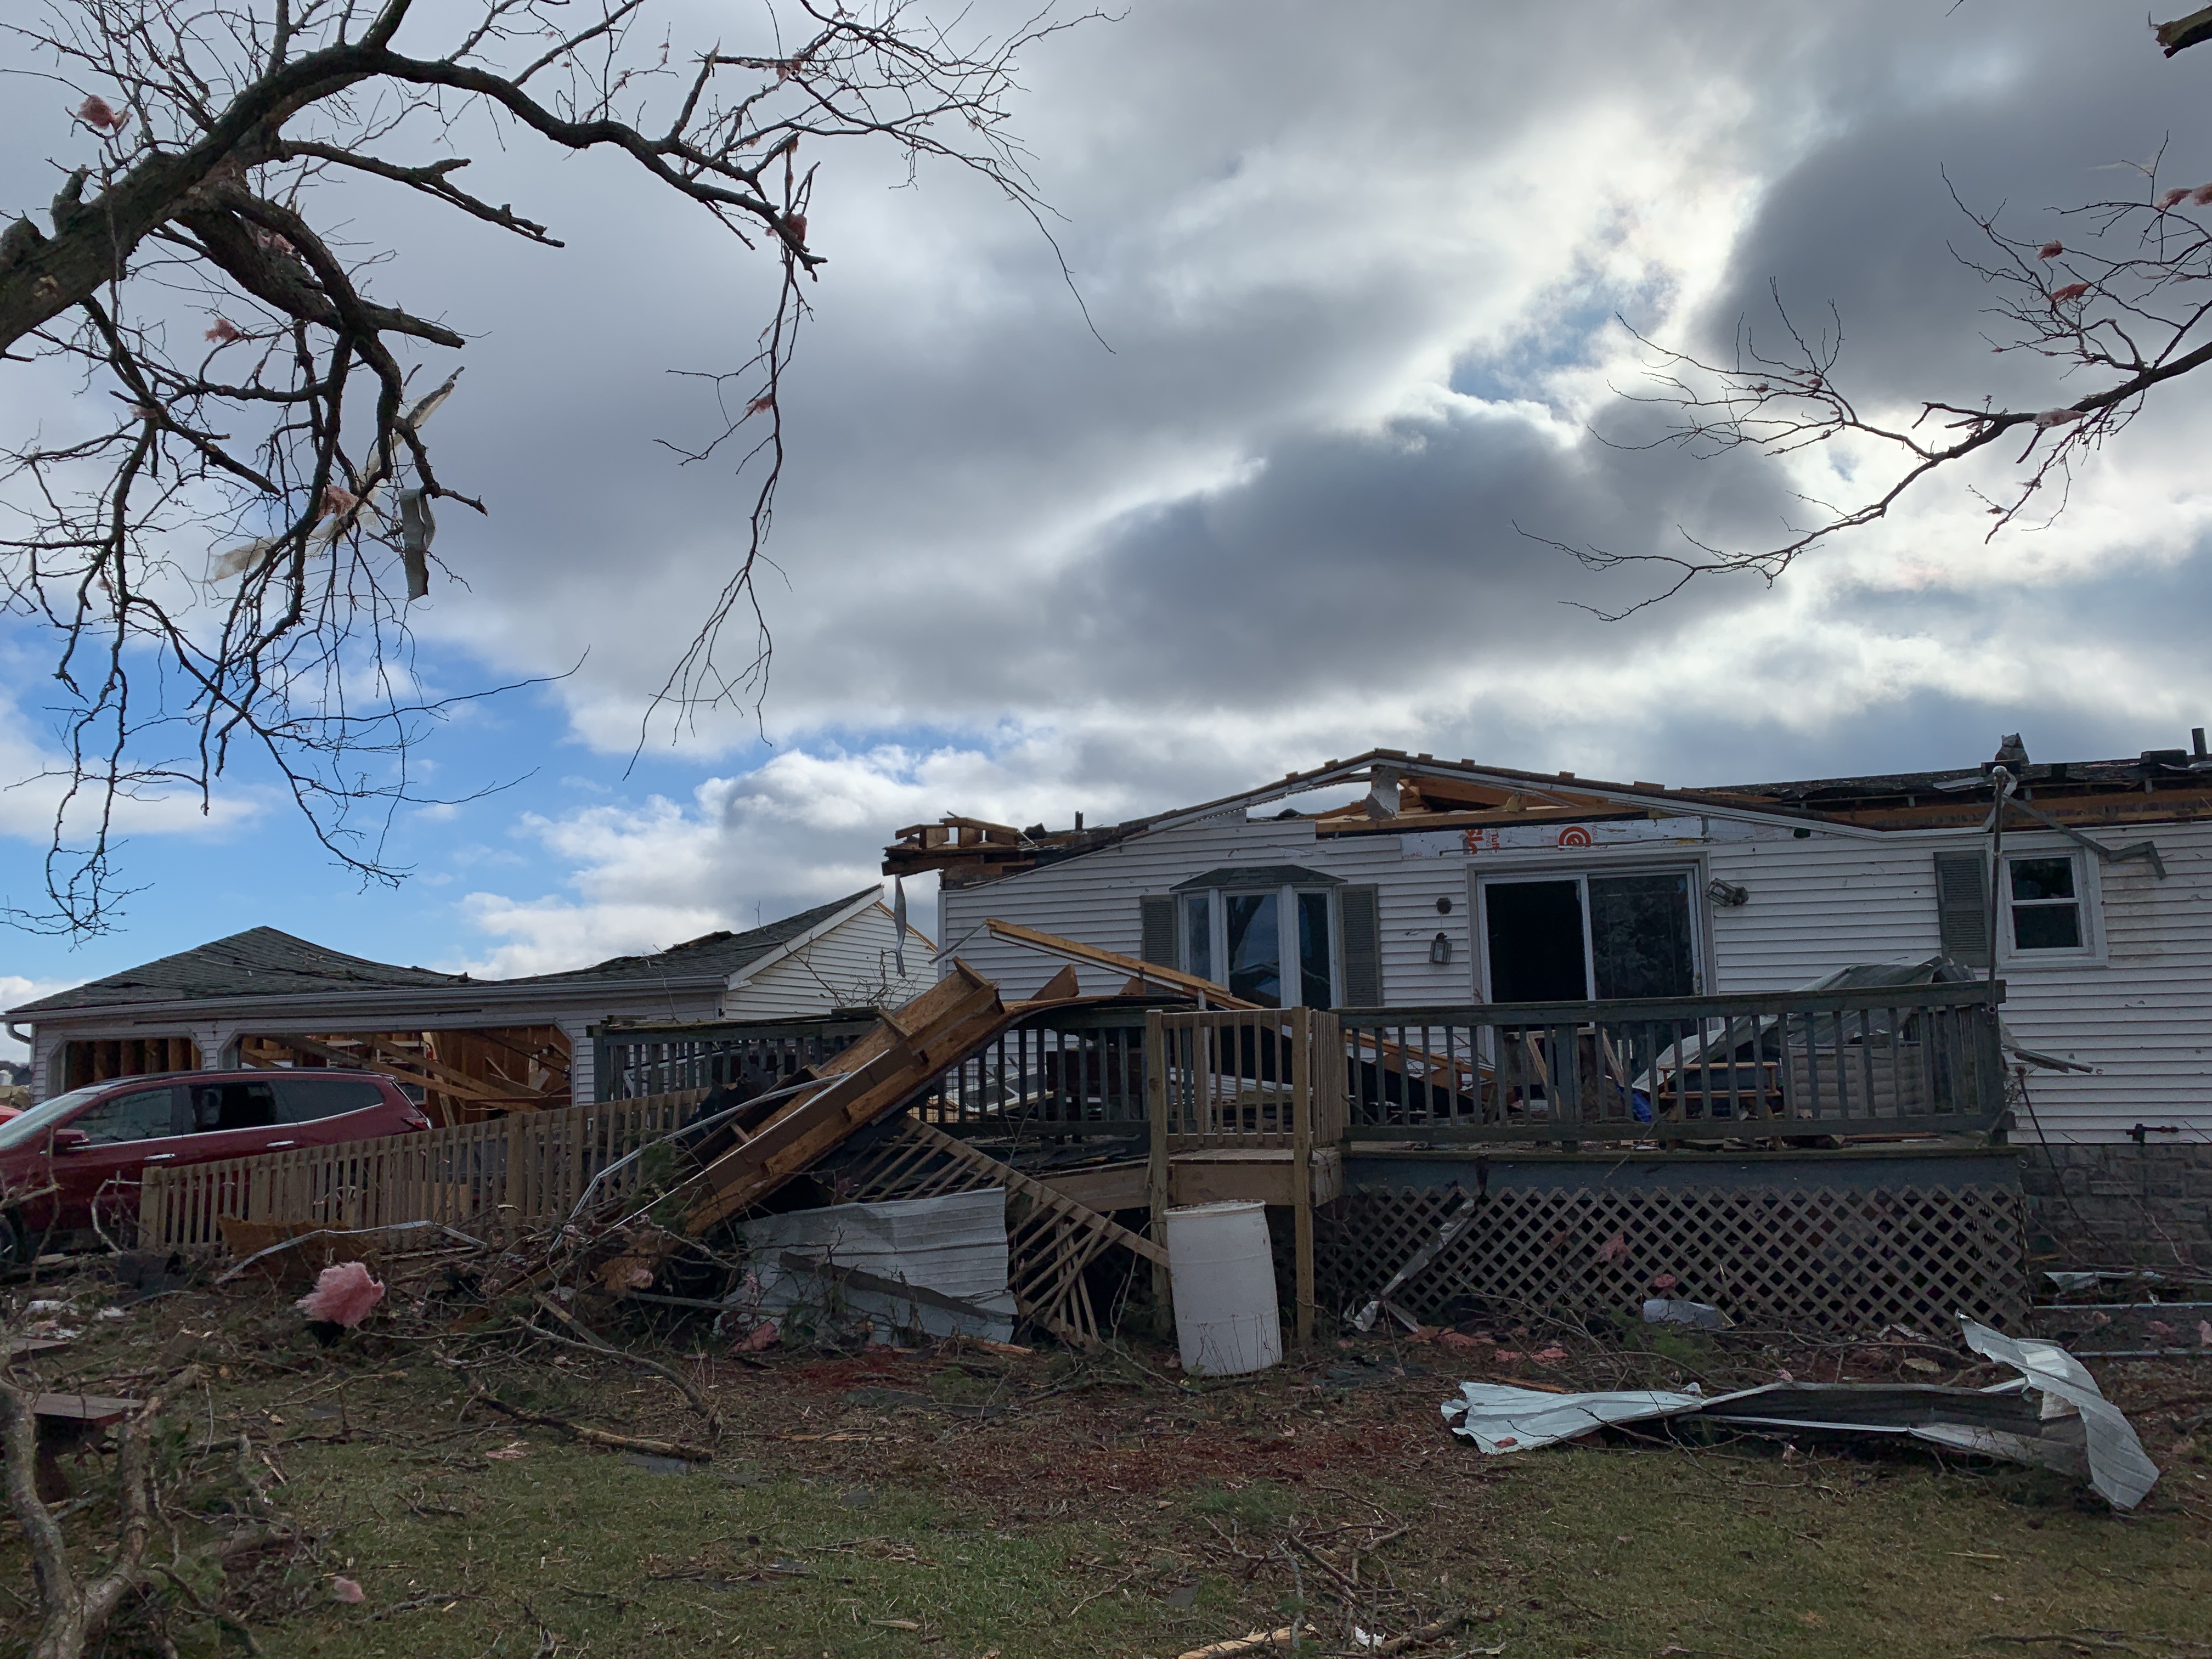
<point x="1223" y="1274"/>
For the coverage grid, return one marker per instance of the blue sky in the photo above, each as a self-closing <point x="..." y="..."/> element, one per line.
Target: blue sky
<point x="1359" y="301"/>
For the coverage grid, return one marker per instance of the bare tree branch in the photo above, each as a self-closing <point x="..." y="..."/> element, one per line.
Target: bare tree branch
<point x="229" y="563"/>
<point x="2119" y="298"/>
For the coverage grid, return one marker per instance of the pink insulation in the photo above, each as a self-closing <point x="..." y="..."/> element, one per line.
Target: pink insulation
<point x="342" y="1295"/>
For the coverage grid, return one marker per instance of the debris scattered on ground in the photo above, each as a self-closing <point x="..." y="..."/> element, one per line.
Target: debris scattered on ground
<point x="1663" y="1311"/>
<point x="1236" y="1647"/>
<point x="2070" y="1426"/>
<point x="343" y="1296"/>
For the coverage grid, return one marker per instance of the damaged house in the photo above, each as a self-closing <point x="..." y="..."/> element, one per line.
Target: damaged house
<point x="472" y="1047"/>
<point x="1415" y="895"/>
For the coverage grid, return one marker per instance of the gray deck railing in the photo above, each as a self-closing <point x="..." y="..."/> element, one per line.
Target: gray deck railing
<point x="1059" y="1072"/>
<point x="1905" y="1059"/>
<point x="636" y="1062"/>
<point x="1902" y="1059"/>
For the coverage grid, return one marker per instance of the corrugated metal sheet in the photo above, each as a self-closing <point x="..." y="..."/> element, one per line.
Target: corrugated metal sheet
<point x="954" y="1245"/>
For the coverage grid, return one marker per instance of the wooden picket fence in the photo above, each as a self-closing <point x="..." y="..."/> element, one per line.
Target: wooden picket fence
<point x="525" y="1167"/>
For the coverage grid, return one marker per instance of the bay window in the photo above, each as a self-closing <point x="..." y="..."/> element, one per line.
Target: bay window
<point x="1268" y="933"/>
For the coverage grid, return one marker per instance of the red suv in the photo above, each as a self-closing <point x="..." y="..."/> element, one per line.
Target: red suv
<point x="83" y="1152"/>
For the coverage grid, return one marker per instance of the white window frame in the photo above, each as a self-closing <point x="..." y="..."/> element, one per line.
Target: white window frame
<point x="1286" y="936"/>
<point x="2088" y="895"/>
<point x="1692" y="869"/>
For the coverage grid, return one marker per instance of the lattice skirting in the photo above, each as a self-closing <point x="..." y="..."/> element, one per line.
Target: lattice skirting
<point x="1829" y="1260"/>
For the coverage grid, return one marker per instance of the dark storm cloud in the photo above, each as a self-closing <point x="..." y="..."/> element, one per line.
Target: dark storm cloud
<point x="1356" y="269"/>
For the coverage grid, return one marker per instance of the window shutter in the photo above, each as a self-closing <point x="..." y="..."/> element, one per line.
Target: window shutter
<point x="1360" y="911"/>
<point x="1155" y="924"/>
<point x="1962" y="907"/>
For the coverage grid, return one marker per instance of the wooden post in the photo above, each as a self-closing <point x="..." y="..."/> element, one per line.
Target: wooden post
<point x="1155" y="1171"/>
<point x="1302" y="1102"/>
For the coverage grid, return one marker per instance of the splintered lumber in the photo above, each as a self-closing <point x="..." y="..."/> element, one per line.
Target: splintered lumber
<point x="91" y="1411"/>
<point x="1062" y="986"/>
<point x="1038" y="1192"/>
<point x="1260" y="1641"/>
<point x="419" y="1069"/>
<point x="1144" y="973"/>
<point x="873" y="1077"/>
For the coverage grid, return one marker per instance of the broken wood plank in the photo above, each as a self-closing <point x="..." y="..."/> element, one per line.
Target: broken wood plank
<point x="1146" y="973"/>
<point x="1260" y="1641"/>
<point x="1015" y="1182"/>
<point x="896" y="1060"/>
<point x="94" y="1410"/>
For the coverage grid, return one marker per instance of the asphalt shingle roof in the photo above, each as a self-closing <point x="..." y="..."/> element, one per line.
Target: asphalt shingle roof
<point x="259" y="962"/>
<point x="262" y="962"/>
<point x="710" y="953"/>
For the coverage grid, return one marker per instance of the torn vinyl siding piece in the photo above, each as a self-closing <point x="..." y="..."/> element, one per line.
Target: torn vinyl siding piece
<point x="935" y="1264"/>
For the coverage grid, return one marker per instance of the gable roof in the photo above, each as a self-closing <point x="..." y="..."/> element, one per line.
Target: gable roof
<point x="718" y="954"/>
<point x="262" y="962"/>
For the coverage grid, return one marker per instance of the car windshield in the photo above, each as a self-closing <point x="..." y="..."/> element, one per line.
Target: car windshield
<point x="43" y="1116"/>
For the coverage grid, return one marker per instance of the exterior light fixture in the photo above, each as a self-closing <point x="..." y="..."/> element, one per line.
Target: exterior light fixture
<point x="1727" y="895"/>
<point x="1440" y="949"/>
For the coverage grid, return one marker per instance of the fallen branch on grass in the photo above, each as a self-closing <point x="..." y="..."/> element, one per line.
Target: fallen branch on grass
<point x="586" y="1338"/>
<point x="1428" y="1633"/>
<point x="684" y="1450"/>
<point x="75" y="1613"/>
<point x="298" y="1239"/>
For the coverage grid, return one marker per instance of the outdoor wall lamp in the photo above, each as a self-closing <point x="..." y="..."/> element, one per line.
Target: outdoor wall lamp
<point x="1440" y="949"/>
<point x="1727" y="895"/>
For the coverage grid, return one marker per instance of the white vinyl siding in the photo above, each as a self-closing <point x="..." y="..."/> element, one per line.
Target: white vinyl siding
<point x="852" y="965"/>
<point x="2143" y="1016"/>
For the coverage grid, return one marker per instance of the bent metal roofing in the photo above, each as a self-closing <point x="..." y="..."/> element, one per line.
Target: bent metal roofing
<point x="262" y="962"/>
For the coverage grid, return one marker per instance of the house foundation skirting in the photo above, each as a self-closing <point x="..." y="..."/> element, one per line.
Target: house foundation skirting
<point x="1839" y="1242"/>
<point x="2123" y="1205"/>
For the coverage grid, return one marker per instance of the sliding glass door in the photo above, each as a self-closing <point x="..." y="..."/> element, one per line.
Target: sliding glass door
<point x="1570" y="939"/>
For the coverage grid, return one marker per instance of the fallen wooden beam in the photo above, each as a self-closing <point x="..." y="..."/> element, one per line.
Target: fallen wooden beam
<point x="1146" y="973"/>
<point x="874" y="1077"/>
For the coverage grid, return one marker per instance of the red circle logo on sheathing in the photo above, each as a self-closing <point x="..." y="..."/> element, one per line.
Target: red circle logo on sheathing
<point x="1574" y="836"/>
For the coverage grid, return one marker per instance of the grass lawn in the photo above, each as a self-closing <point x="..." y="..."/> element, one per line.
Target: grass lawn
<point x="956" y="1503"/>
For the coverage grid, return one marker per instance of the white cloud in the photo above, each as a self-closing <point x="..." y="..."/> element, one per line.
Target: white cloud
<point x="33" y="779"/>
<point x="15" y="991"/>
<point x="1359" y="295"/>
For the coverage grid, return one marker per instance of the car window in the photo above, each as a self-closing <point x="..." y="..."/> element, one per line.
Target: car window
<point x="35" y="1123"/>
<point x="304" y="1099"/>
<point x="232" y="1106"/>
<point x="141" y="1115"/>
